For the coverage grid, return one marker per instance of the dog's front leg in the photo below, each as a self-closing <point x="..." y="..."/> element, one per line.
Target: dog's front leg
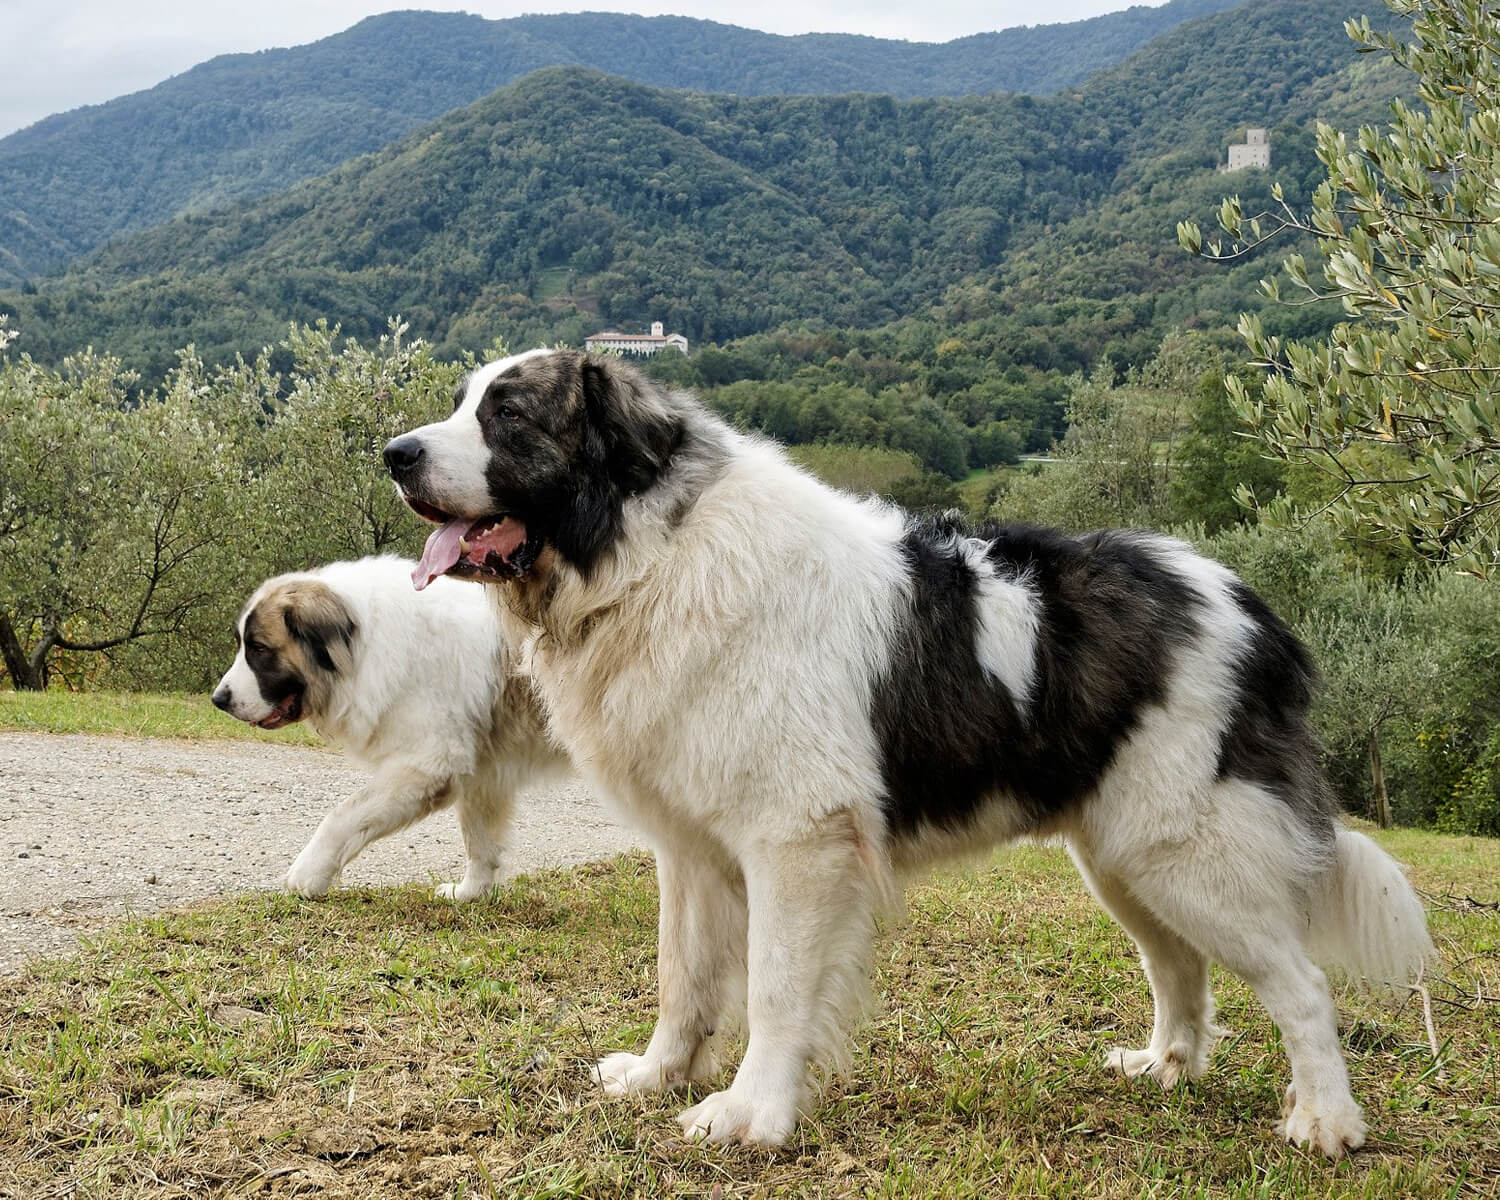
<point x="484" y="813"/>
<point x="396" y="797"/>
<point x="700" y="970"/>
<point x="812" y="908"/>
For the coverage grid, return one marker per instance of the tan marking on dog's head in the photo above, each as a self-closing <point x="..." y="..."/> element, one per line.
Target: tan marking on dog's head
<point x="308" y="631"/>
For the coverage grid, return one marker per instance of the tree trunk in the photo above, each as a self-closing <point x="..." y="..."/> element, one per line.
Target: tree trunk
<point x="1377" y="777"/>
<point x="27" y="672"/>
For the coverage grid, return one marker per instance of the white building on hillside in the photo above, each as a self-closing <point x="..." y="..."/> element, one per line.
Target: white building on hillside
<point x="1254" y="151"/>
<point x="644" y="344"/>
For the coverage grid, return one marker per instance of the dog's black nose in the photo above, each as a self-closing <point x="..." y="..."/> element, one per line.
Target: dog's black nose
<point x="403" y="454"/>
<point x="222" y="698"/>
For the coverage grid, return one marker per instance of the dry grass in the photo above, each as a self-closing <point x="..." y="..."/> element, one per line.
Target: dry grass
<point x="382" y="1044"/>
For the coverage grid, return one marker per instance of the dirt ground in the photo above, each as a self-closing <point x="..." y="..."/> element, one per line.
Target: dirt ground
<point x="92" y="828"/>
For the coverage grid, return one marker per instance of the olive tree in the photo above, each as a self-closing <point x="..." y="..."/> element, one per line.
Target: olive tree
<point x="116" y="514"/>
<point x="325" y="489"/>
<point x="132" y="526"/>
<point x="1400" y="406"/>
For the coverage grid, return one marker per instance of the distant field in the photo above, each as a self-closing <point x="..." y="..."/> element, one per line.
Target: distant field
<point x="382" y="1044"/>
<point x="134" y="714"/>
<point x="975" y="489"/>
<point x="856" y="468"/>
<point x="549" y="282"/>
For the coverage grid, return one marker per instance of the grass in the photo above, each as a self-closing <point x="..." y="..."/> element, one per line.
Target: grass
<point x="974" y="489"/>
<point x="134" y="714"/>
<point x="383" y="1044"/>
<point x="550" y="282"/>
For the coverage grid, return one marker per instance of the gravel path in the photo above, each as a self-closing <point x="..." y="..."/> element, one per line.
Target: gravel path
<point x="95" y="827"/>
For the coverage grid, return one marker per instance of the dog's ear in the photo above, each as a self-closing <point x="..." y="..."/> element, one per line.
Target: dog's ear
<point x="318" y="619"/>
<point x="636" y="432"/>
<point x="628" y="437"/>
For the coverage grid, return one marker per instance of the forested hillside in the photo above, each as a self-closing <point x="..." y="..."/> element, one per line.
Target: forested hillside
<point x="911" y="293"/>
<point x="721" y="216"/>
<point x="572" y="198"/>
<point x="243" y="125"/>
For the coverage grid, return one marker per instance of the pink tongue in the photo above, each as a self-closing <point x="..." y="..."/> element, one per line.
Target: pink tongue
<point x="440" y="553"/>
<point x="445" y="546"/>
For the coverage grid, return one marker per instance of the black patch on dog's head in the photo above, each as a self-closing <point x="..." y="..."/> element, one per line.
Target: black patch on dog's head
<point x="571" y="437"/>
<point x="297" y="636"/>
<point x="276" y="675"/>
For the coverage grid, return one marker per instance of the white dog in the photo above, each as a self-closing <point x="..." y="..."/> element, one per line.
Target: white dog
<point x="416" y="687"/>
<point x="802" y="697"/>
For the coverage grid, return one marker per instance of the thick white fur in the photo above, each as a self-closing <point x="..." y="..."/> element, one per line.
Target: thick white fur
<point x="431" y="708"/>
<point x="713" y="674"/>
<point x="1368" y="922"/>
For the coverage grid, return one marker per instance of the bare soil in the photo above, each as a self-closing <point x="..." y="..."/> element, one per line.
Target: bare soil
<point x="92" y="828"/>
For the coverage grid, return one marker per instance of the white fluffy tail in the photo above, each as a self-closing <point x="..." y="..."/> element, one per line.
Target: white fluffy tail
<point x="1371" y="922"/>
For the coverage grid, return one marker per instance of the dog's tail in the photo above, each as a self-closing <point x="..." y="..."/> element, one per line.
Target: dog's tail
<point x="1370" y="920"/>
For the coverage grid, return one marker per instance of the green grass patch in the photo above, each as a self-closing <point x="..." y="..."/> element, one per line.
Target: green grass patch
<point x="384" y="1044"/>
<point x="548" y="283"/>
<point x="976" y="487"/>
<point x="134" y="714"/>
<point x="856" y="468"/>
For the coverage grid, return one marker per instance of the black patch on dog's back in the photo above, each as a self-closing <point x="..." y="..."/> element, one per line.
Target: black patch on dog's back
<point x="1268" y="740"/>
<point x="1111" y="619"/>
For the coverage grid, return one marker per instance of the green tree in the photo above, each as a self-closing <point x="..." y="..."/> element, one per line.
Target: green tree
<point x="1399" y="407"/>
<point x="1117" y="462"/>
<point x="927" y="492"/>
<point x="325" y="489"/>
<point x="1217" y="459"/>
<point x="114" y="517"/>
<point x="1373" y="674"/>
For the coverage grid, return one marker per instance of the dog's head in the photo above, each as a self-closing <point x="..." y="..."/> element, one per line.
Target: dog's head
<point x="295" y="637"/>
<point x="542" y="450"/>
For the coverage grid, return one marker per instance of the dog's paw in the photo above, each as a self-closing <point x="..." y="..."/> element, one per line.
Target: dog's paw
<point x="461" y="892"/>
<point x="1333" y="1132"/>
<point x="310" y="877"/>
<point x="1167" y="1067"/>
<point x="626" y="1074"/>
<point x="727" y="1117"/>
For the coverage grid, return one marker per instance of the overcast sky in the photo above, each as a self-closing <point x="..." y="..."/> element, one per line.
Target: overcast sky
<point x="59" y="54"/>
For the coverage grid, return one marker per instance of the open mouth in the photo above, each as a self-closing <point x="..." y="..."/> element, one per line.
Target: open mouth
<point x="492" y="547"/>
<point x="284" y="713"/>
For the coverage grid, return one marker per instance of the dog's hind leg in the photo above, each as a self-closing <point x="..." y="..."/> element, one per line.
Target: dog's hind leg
<point x="397" y="796"/>
<point x="1241" y="891"/>
<point x="700" y="972"/>
<point x="484" y="813"/>
<point x="812" y="922"/>
<point x="1184" y="1033"/>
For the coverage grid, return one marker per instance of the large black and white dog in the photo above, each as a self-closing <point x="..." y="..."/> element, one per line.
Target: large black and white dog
<point x="802" y="697"/>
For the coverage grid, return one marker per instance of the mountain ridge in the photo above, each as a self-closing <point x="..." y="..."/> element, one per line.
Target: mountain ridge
<point x="251" y="124"/>
<point x="573" y="198"/>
